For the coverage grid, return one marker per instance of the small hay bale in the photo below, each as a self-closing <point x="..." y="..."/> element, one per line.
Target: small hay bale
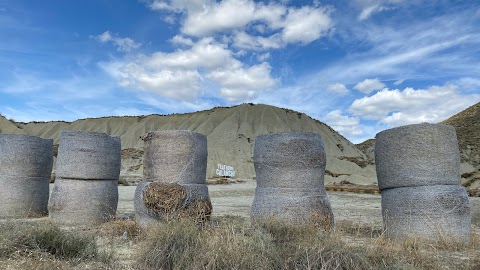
<point x="88" y="156"/>
<point x="80" y="202"/>
<point x="25" y="168"/>
<point x="290" y="169"/>
<point x="175" y="156"/>
<point x="417" y="155"/>
<point x="440" y="212"/>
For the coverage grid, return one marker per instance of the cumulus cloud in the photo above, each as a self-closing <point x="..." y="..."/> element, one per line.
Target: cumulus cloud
<point x="344" y="124"/>
<point x="179" y="74"/>
<point x="122" y="44"/>
<point x="277" y="24"/>
<point x="369" y="85"/>
<point x="338" y="88"/>
<point x="306" y="24"/>
<point x="409" y="106"/>
<point x="181" y="40"/>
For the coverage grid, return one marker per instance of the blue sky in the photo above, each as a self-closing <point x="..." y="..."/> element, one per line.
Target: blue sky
<point x="360" y="66"/>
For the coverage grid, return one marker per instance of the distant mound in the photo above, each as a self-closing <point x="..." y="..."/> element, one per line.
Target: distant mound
<point x="467" y="125"/>
<point x="6" y="126"/>
<point x="368" y="148"/>
<point x="231" y="135"/>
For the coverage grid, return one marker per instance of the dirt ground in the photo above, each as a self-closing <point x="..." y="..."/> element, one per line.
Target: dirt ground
<point x="236" y="199"/>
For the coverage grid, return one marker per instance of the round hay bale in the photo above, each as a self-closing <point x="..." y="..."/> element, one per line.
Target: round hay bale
<point x="417" y="155"/>
<point x="22" y="197"/>
<point x="156" y="201"/>
<point x="439" y="212"/>
<point x="26" y="156"/>
<point x="88" y="156"/>
<point x="80" y="202"/>
<point x="293" y="206"/>
<point x="175" y="156"/>
<point x="289" y="160"/>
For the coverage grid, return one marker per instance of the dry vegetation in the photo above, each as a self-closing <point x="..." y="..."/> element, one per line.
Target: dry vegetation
<point x="225" y="243"/>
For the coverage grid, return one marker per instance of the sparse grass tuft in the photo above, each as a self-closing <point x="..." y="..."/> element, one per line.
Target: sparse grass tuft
<point x="26" y="239"/>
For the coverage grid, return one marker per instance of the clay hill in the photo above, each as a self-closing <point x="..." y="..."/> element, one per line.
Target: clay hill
<point x="467" y="126"/>
<point x="231" y="135"/>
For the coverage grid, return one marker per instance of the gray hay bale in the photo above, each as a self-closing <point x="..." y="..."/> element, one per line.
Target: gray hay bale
<point x="417" y="155"/>
<point x="80" y="202"/>
<point x="439" y="212"/>
<point x="88" y="156"/>
<point x="290" y="169"/>
<point x="193" y="202"/>
<point x="26" y="156"/>
<point x="22" y="197"/>
<point x="175" y="156"/>
<point x="293" y="206"/>
<point x="289" y="160"/>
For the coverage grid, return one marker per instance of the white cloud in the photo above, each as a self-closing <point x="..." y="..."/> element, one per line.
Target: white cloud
<point x="242" y="84"/>
<point x="180" y="74"/>
<point x="246" y="41"/>
<point x="409" y="106"/>
<point x="369" y="85"/>
<point x="344" y="124"/>
<point x="306" y="24"/>
<point x="217" y="17"/>
<point x="370" y="7"/>
<point x="263" y="56"/>
<point x="181" y="40"/>
<point x="122" y="44"/>
<point x="398" y="82"/>
<point x="338" y="88"/>
<point x="278" y="24"/>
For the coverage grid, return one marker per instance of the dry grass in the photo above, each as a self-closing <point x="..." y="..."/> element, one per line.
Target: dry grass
<point x="170" y="201"/>
<point x="225" y="243"/>
<point x="41" y="245"/>
<point x="234" y="244"/>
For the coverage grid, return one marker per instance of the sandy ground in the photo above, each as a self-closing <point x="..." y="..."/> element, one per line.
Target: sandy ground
<point x="236" y="199"/>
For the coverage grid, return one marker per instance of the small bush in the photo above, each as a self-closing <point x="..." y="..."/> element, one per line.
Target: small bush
<point x="28" y="238"/>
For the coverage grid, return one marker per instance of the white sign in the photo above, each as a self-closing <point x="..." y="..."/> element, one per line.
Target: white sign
<point x="225" y="170"/>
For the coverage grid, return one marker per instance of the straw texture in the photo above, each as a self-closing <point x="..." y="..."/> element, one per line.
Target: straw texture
<point x="293" y="206"/>
<point x="290" y="170"/>
<point x="417" y="155"/>
<point x="22" y="197"/>
<point x="175" y="156"/>
<point x="427" y="212"/>
<point x="79" y="202"/>
<point x="88" y="156"/>
<point x="170" y="201"/>
<point x="26" y="156"/>
<point x="25" y="168"/>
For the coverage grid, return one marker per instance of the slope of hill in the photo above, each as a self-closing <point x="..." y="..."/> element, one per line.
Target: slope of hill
<point x="467" y="126"/>
<point x="6" y="126"/>
<point x="231" y="135"/>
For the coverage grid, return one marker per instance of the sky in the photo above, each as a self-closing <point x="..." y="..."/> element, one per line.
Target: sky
<point x="360" y="66"/>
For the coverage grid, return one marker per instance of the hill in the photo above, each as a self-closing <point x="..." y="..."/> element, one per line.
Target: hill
<point x="467" y="126"/>
<point x="231" y="135"/>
